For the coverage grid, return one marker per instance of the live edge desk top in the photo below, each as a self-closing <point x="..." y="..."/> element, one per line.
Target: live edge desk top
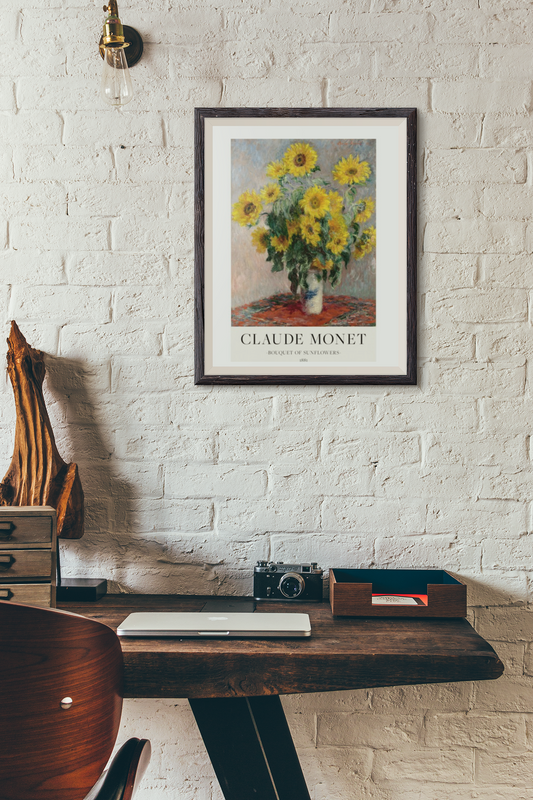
<point x="342" y="653"/>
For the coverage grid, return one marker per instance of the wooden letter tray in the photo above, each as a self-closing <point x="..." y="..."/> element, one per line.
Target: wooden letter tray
<point x="351" y="590"/>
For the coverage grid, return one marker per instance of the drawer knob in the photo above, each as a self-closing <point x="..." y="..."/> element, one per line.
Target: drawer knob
<point x="66" y="703"/>
<point x="6" y="529"/>
<point x="6" y="561"/>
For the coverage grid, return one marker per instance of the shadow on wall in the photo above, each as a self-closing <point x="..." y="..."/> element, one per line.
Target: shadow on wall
<point x="496" y="591"/>
<point x="133" y="534"/>
<point x="82" y="438"/>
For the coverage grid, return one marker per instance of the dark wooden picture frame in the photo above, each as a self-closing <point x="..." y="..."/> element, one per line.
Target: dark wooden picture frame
<point x="204" y="159"/>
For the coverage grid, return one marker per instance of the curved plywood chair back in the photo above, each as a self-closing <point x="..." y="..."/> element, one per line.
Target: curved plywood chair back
<point x="50" y="752"/>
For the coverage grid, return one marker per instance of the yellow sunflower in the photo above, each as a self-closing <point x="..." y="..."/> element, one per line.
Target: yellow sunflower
<point x="337" y="225"/>
<point x="337" y="222"/>
<point x="315" y="202"/>
<point x="336" y="244"/>
<point x="293" y="226"/>
<point x="270" y="192"/>
<point x="338" y="235"/>
<point x="300" y="159"/>
<point x="366" y="243"/>
<point x="371" y="234"/>
<point x="310" y="229"/>
<point x="317" y="264"/>
<point x="276" y="169"/>
<point x="260" y="239"/>
<point x="335" y="202"/>
<point x="351" y="170"/>
<point x="280" y="243"/>
<point x="246" y="211"/>
<point x="360" y="250"/>
<point x="365" y="209"/>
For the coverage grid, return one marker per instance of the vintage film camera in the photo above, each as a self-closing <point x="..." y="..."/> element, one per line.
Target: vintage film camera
<point x="299" y="583"/>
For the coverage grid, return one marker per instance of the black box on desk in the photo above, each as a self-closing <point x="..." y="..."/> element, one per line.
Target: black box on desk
<point x="81" y="590"/>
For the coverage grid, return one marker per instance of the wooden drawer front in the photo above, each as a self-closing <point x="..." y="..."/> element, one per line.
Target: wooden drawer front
<point x="19" y="564"/>
<point x="16" y="530"/>
<point x="34" y="594"/>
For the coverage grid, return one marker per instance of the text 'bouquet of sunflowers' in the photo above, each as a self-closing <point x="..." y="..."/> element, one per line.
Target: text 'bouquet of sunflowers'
<point x="310" y="225"/>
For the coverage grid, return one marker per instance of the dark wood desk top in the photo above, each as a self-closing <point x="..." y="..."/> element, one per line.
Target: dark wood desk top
<point x="342" y="653"/>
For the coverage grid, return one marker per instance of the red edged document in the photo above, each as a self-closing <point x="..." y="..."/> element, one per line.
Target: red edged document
<point x="399" y="599"/>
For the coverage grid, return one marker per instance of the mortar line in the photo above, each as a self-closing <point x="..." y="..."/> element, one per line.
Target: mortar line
<point x="325" y="92"/>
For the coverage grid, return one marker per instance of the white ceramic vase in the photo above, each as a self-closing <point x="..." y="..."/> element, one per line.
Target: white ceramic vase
<point x="312" y="296"/>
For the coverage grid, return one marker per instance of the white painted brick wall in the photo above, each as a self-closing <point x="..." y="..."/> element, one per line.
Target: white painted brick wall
<point x="186" y="486"/>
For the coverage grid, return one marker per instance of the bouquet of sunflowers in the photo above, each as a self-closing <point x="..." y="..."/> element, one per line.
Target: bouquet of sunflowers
<point x="309" y="225"/>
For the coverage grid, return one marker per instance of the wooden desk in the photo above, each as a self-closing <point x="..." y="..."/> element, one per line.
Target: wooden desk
<point x="233" y="686"/>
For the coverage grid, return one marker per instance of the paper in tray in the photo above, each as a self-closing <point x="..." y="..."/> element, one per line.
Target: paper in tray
<point x="399" y="599"/>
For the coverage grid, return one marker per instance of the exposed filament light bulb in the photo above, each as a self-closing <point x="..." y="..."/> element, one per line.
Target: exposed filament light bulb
<point x="116" y="88"/>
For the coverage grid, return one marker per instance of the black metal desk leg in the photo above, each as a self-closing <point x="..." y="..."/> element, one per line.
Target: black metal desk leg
<point x="251" y="748"/>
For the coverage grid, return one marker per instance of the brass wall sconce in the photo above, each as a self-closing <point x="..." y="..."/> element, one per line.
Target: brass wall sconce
<point x="120" y="47"/>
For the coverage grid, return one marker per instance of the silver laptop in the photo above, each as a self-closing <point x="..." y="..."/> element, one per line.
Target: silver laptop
<point x="201" y="625"/>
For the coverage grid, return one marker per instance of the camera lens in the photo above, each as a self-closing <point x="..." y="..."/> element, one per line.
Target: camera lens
<point x="291" y="585"/>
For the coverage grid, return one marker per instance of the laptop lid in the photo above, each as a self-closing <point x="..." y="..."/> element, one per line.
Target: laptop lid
<point x="200" y="625"/>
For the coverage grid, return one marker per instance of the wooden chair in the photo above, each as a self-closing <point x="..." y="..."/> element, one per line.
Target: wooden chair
<point x="60" y="708"/>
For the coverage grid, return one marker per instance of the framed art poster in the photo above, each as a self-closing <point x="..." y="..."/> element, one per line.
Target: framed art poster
<point x="305" y="246"/>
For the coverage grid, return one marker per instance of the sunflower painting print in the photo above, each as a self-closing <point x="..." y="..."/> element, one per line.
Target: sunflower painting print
<point x="303" y="232"/>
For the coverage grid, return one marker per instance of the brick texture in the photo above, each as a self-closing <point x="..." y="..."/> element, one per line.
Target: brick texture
<point x="186" y="486"/>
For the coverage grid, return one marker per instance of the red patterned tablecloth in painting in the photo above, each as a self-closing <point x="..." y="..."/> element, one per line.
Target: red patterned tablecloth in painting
<point x="285" y="310"/>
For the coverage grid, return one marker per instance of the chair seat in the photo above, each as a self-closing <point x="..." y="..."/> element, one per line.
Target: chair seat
<point x="58" y="750"/>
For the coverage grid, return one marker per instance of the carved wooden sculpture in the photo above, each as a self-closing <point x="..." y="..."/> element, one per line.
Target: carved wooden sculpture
<point x="38" y="475"/>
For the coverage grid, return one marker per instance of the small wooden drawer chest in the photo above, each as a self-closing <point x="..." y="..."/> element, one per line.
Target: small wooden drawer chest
<point x="28" y="555"/>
